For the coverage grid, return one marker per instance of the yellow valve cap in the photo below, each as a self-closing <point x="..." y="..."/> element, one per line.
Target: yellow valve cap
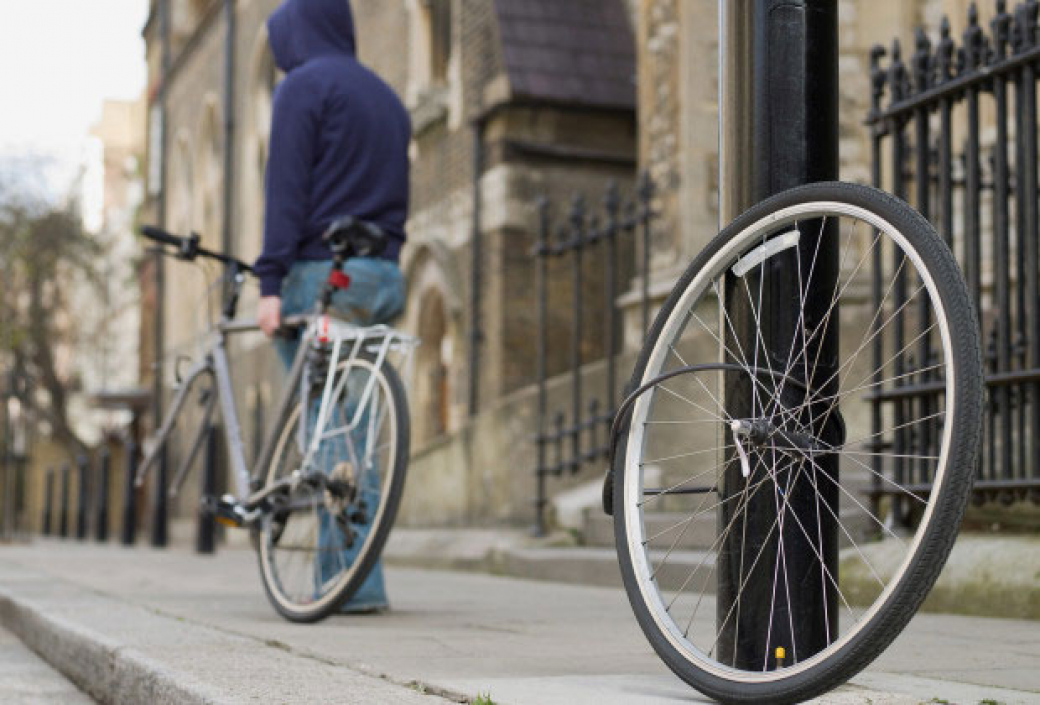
<point x="781" y="653"/>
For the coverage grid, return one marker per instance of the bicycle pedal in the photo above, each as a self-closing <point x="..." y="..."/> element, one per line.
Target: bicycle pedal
<point x="226" y="510"/>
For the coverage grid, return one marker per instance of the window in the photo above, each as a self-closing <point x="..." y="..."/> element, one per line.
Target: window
<point x="209" y="170"/>
<point x="439" y="18"/>
<point x="433" y="93"/>
<point x="264" y="77"/>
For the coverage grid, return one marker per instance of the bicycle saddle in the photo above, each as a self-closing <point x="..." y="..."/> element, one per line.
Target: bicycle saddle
<point x="351" y="237"/>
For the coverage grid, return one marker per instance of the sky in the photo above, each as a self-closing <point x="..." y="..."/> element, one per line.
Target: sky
<point x="59" y="59"/>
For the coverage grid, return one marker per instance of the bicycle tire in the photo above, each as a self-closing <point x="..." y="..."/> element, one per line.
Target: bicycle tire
<point x="379" y="529"/>
<point x="907" y="589"/>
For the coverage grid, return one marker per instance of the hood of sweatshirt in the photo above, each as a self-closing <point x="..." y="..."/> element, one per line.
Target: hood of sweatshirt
<point x="301" y="30"/>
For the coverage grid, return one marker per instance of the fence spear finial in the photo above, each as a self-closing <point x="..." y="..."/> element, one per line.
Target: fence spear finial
<point x="1001" y="28"/>
<point x="974" y="41"/>
<point x="1030" y="11"/>
<point x="944" y="58"/>
<point x="922" y="61"/>
<point x="897" y="78"/>
<point x="878" y="77"/>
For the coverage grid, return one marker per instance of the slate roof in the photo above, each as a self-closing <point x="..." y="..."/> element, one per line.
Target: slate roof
<point x="569" y="51"/>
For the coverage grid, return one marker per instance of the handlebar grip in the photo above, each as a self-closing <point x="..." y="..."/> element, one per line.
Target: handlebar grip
<point x="160" y="235"/>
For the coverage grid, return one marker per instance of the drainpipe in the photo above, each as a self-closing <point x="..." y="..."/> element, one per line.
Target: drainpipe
<point x="230" y="22"/>
<point x="159" y="518"/>
<point x="476" y="334"/>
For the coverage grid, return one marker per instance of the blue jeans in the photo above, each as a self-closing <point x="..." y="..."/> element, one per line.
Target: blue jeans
<point x="376" y="295"/>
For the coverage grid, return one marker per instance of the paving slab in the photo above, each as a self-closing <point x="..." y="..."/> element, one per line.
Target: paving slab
<point x="458" y="634"/>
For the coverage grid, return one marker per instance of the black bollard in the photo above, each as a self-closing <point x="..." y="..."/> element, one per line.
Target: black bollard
<point x="48" y="502"/>
<point x="83" y="505"/>
<point x="63" y="515"/>
<point x="205" y="539"/>
<point x="159" y="516"/>
<point x="101" y="506"/>
<point x="129" y="495"/>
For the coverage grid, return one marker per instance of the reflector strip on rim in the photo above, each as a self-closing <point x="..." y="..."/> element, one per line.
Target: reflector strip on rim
<point x="763" y="252"/>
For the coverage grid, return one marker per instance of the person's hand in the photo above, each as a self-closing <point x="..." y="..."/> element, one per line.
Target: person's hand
<point x="269" y="314"/>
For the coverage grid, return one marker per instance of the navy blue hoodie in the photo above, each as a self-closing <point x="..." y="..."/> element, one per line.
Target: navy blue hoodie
<point x="339" y="140"/>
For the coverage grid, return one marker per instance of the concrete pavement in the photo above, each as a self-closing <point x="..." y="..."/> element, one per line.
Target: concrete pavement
<point x="25" y="679"/>
<point x="175" y="627"/>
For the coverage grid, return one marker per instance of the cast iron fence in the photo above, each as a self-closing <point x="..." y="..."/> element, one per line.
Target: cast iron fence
<point x="616" y="234"/>
<point x="955" y="133"/>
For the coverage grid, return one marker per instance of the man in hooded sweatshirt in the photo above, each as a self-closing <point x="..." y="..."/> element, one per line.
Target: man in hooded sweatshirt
<point x="339" y="146"/>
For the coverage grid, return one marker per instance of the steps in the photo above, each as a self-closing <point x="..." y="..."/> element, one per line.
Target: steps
<point x="696" y="534"/>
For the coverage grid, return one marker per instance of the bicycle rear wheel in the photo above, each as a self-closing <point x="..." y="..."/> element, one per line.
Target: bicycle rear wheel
<point x="321" y="539"/>
<point x="826" y="440"/>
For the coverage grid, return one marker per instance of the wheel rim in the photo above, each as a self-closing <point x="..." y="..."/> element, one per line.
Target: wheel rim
<point x="649" y="549"/>
<point x="309" y="566"/>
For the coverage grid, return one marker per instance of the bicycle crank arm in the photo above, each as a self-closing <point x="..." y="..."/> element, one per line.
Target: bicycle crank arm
<point x="254" y="500"/>
<point x="317" y="479"/>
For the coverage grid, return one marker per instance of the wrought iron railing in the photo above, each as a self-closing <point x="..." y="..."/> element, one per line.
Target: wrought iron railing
<point x="613" y="242"/>
<point x="954" y="131"/>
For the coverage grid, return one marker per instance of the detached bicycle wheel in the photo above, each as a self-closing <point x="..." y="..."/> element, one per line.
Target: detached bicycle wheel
<point x="791" y="477"/>
<point x="322" y="539"/>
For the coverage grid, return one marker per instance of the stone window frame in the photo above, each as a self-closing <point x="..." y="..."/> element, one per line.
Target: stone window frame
<point x="182" y="184"/>
<point x="263" y="78"/>
<point x="209" y="173"/>
<point x="434" y="92"/>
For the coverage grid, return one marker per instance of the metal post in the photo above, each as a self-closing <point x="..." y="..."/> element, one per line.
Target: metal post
<point x="7" y="524"/>
<point x="129" y="495"/>
<point x="230" y="40"/>
<point x="973" y="52"/>
<point x="83" y="505"/>
<point x="205" y="540"/>
<point x="612" y="208"/>
<point x="159" y="519"/>
<point x="63" y="516"/>
<point x="101" y="509"/>
<point x="646" y="199"/>
<point x="542" y="253"/>
<point x="577" y="242"/>
<point x="923" y="66"/>
<point x="898" y="83"/>
<point x="779" y="128"/>
<point x="1030" y="234"/>
<point x="878" y="79"/>
<point x="1001" y="30"/>
<point x="48" y="503"/>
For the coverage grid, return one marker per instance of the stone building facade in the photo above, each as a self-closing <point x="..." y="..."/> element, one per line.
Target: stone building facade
<point x="509" y="99"/>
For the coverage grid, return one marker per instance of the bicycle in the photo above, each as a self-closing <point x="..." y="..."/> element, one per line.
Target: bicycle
<point x="327" y="483"/>
<point x="731" y="418"/>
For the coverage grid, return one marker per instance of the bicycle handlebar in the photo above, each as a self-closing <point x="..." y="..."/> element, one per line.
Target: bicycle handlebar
<point x="153" y="233"/>
<point x="188" y="248"/>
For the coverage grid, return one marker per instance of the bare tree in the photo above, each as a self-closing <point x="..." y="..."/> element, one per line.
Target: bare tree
<point x="47" y="261"/>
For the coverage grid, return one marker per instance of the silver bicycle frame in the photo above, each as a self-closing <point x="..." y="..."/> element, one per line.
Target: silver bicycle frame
<point x="378" y="340"/>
